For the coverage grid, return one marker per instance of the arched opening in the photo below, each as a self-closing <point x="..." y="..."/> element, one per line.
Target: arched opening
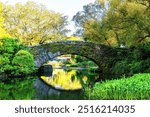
<point x="70" y="72"/>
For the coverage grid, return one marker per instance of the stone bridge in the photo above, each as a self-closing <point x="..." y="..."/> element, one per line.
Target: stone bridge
<point x="98" y="53"/>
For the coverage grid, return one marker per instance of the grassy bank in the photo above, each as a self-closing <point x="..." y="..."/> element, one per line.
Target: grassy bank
<point x="136" y="87"/>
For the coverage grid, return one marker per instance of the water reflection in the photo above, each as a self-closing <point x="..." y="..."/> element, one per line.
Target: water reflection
<point x="65" y="84"/>
<point x="45" y="91"/>
<point x="70" y="76"/>
<point x="73" y="79"/>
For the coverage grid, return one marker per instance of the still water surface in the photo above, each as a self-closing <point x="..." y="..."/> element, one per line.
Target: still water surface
<point x="71" y="82"/>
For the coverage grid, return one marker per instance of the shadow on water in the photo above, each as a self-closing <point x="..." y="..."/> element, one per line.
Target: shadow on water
<point x="45" y="90"/>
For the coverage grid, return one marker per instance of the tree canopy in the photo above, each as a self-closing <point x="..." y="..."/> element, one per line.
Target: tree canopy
<point x="91" y="11"/>
<point x="33" y="23"/>
<point x="2" y="31"/>
<point x="123" y="22"/>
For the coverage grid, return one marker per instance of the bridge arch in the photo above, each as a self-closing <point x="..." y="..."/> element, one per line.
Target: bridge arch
<point x="96" y="52"/>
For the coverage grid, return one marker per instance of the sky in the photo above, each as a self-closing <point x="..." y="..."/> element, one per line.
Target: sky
<point x="66" y="7"/>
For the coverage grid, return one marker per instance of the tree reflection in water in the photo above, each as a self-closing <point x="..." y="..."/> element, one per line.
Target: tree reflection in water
<point x="62" y="79"/>
<point x="71" y="78"/>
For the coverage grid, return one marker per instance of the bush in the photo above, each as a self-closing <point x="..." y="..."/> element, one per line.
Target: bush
<point x="136" y="60"/>
<point x="8" y="46"/>
<point x="15" y="58"/>
<point x="23" y="63"/>
<point x="135" y="87"/>
<point x="120" y="67"/>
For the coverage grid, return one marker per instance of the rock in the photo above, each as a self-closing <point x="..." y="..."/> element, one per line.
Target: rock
<point x="98" y="53"/>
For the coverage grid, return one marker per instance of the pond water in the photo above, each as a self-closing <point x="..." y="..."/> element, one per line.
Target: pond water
<point x="66" y="84"/>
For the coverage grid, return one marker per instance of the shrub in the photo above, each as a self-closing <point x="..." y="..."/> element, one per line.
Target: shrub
<point x="15" y="58"/>
<point x="9" y="46"/>
<point x="135" y="87"/>
<point x="120" y="67"/>
<point x="23" y="63"/>
<point x="135" y="61"/>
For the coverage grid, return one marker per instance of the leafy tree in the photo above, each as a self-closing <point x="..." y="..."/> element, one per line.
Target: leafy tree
<point x="92" y="11"/>
<point x="33" y="23"/>
<point x="97" y="32"/>
<point x="14" y="58"/>
<point x="129" y="21"/>
<point x="123" y="23"/>
<point x="2" y="31"/>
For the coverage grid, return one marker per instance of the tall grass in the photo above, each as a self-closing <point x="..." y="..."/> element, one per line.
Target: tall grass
<point x="136" y="87"/>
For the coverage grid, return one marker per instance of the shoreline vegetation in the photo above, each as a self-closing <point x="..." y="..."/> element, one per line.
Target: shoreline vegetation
<point x="136" y="87"/>
<point x="121" y="25"/>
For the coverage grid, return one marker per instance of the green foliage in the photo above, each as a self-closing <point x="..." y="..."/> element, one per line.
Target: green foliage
<point x="33" y="23"/>
<point x="128" y="68"/>
<point x="79" y="61"/>
<point x="13" y="60"/>
<point x="135" y="87"/>
<point x="134" y="60"/>
<point x="17" y="89"/>
<point x="23" y="63"/>
<point x="8" y="45"/>
<point x="8" y="48"/>
<point x="123" y="22"/>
